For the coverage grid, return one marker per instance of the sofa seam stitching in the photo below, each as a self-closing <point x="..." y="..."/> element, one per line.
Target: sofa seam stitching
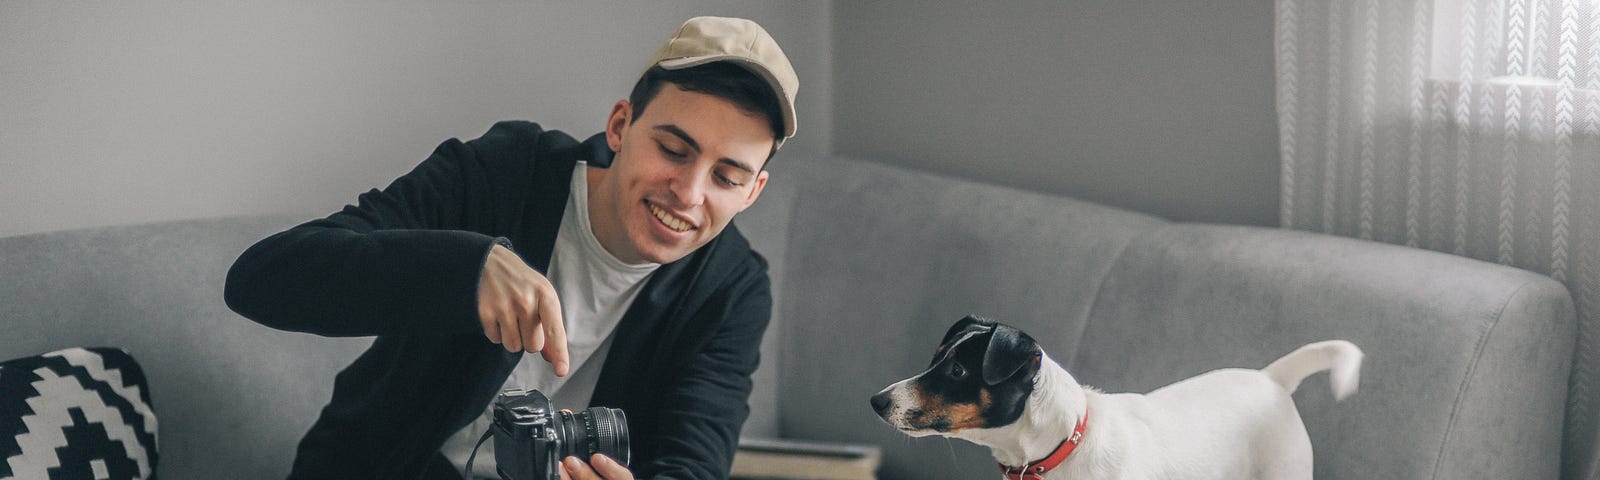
<point x="1100" y="285"/>
<point x="1466" y="379"/>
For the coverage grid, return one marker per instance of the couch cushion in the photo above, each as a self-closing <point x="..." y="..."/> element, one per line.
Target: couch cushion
<point x="1466" y="361"/>
<point x="76" y="413"/>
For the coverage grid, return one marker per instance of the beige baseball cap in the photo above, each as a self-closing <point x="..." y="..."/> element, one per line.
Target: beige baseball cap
<point x="703" y="40"/>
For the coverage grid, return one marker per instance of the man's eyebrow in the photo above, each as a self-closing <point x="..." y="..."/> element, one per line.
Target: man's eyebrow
<point x="736" y="164"/>
<point x="682" y="135"/>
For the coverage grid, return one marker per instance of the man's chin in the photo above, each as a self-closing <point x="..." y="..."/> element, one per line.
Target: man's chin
<point x="664" y="254"/>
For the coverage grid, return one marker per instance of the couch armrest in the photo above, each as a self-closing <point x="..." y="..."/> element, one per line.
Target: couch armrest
<point x="1467" y="362"/>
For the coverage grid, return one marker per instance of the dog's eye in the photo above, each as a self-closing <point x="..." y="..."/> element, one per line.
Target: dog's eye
<point x="957" y="371"/>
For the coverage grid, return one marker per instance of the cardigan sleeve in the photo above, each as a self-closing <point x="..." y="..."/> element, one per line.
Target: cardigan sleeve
<point x="702" y="412"/>
<point x="403" y="260"/>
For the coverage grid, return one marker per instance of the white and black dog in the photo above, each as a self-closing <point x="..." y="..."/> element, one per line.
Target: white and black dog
<point x="992" y="385"/>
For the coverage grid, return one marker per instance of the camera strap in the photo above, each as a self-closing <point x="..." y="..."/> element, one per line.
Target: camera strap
<point x="486" y="434"/>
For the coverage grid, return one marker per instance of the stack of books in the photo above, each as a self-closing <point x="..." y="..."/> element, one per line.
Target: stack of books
<point x="772" y="459"/>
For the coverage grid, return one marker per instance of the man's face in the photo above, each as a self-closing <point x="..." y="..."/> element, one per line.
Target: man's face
<point x="683" y="169"/>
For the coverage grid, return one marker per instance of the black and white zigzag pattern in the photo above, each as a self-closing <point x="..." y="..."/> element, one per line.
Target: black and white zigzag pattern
<point x="76" y="414"/>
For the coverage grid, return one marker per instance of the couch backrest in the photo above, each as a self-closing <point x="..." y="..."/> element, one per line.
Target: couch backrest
<point x="1465" y="374"/>
<point x="232" y="397"/>
<point x="1467" y="361"/>
<point x="880" y="261"/>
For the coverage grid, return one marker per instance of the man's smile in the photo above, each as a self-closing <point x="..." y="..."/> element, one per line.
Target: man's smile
<point x="669" y="219"/>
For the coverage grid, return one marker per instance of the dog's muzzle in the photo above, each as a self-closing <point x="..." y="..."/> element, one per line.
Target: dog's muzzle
<point x="881" y="403"/>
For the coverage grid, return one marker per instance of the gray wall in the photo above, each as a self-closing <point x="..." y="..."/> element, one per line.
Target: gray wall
<point x="1162" y="106"/>
<point x="128" y="112"/>
<point x="117" y="113"/>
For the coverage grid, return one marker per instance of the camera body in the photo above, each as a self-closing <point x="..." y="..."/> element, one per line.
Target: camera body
<point x="531" y="438"/>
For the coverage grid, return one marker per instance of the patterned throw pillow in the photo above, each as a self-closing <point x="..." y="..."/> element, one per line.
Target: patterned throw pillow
<point x="76" y="414"/>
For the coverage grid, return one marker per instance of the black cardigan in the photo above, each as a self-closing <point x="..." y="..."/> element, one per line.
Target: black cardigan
<point x="404" y="265"/>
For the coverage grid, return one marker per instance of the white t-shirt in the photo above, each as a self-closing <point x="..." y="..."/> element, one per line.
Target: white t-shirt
<point x="595" y="289"/>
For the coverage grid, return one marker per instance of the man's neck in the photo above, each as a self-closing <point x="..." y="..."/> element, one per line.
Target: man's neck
<point x="601" y="223"/>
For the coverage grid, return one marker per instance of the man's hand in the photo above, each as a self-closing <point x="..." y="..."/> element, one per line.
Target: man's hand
<point x="518" y="309"/>
<point x="600" y="467"/>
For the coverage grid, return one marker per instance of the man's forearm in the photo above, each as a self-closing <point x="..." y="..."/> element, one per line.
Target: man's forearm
<point x="324" y="279"/>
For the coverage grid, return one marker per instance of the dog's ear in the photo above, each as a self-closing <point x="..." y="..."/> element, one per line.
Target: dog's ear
<point x="968" y="325"/>
<point x="1009" y="350"/>
<point x="961" y="326"/>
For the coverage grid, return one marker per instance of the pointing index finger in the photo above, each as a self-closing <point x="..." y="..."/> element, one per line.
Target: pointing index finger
<point x="555" y="335"/>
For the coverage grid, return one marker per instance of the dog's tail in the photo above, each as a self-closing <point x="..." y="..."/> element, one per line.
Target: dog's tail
<point x="1343" y="358"/>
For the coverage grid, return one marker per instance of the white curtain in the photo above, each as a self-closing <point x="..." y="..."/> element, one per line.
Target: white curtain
<point x="1464" y="126"/>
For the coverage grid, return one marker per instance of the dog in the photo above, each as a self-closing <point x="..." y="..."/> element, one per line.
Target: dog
<point x="993" y="385"/>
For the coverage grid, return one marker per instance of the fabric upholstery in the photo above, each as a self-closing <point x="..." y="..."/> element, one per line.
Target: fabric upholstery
<point x="1465" y="374"/>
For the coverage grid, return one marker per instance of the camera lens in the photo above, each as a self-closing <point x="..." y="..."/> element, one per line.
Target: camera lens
<point x="596" y="430"/>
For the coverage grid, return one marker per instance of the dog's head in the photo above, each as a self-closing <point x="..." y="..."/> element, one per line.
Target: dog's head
<point x="980" y="377"/>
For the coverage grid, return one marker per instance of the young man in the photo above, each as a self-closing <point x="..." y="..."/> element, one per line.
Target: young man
<point x="614" y="258"/>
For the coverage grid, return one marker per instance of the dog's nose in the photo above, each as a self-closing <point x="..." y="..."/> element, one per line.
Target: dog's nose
<point x="880" y="402"/>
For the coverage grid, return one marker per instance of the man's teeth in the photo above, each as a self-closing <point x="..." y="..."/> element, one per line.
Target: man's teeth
<point x="669" y="220"/>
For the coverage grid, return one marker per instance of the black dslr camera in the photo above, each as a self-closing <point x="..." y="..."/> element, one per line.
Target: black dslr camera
<point x="530" y="438"/>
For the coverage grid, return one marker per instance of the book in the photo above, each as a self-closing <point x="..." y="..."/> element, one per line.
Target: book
<point x="774" y="459"/>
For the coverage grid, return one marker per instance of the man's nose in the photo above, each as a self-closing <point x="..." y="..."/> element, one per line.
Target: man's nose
<point x="690" y="187"/>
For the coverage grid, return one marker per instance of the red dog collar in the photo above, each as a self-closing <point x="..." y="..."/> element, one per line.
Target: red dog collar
<point x="1035" y="470"/>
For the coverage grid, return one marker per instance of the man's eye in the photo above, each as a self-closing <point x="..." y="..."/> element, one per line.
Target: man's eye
<point x="728" y="181"/>
<point x="668" y="151"/>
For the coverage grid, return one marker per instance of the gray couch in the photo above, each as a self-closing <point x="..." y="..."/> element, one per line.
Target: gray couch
<point x="1465" y="377"/>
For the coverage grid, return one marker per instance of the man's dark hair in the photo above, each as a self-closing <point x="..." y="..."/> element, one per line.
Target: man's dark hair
<point x="719" y="79"/>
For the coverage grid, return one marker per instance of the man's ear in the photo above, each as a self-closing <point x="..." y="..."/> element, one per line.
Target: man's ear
<point x="621" y="115"/>
<point x="1009" y="350"/>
